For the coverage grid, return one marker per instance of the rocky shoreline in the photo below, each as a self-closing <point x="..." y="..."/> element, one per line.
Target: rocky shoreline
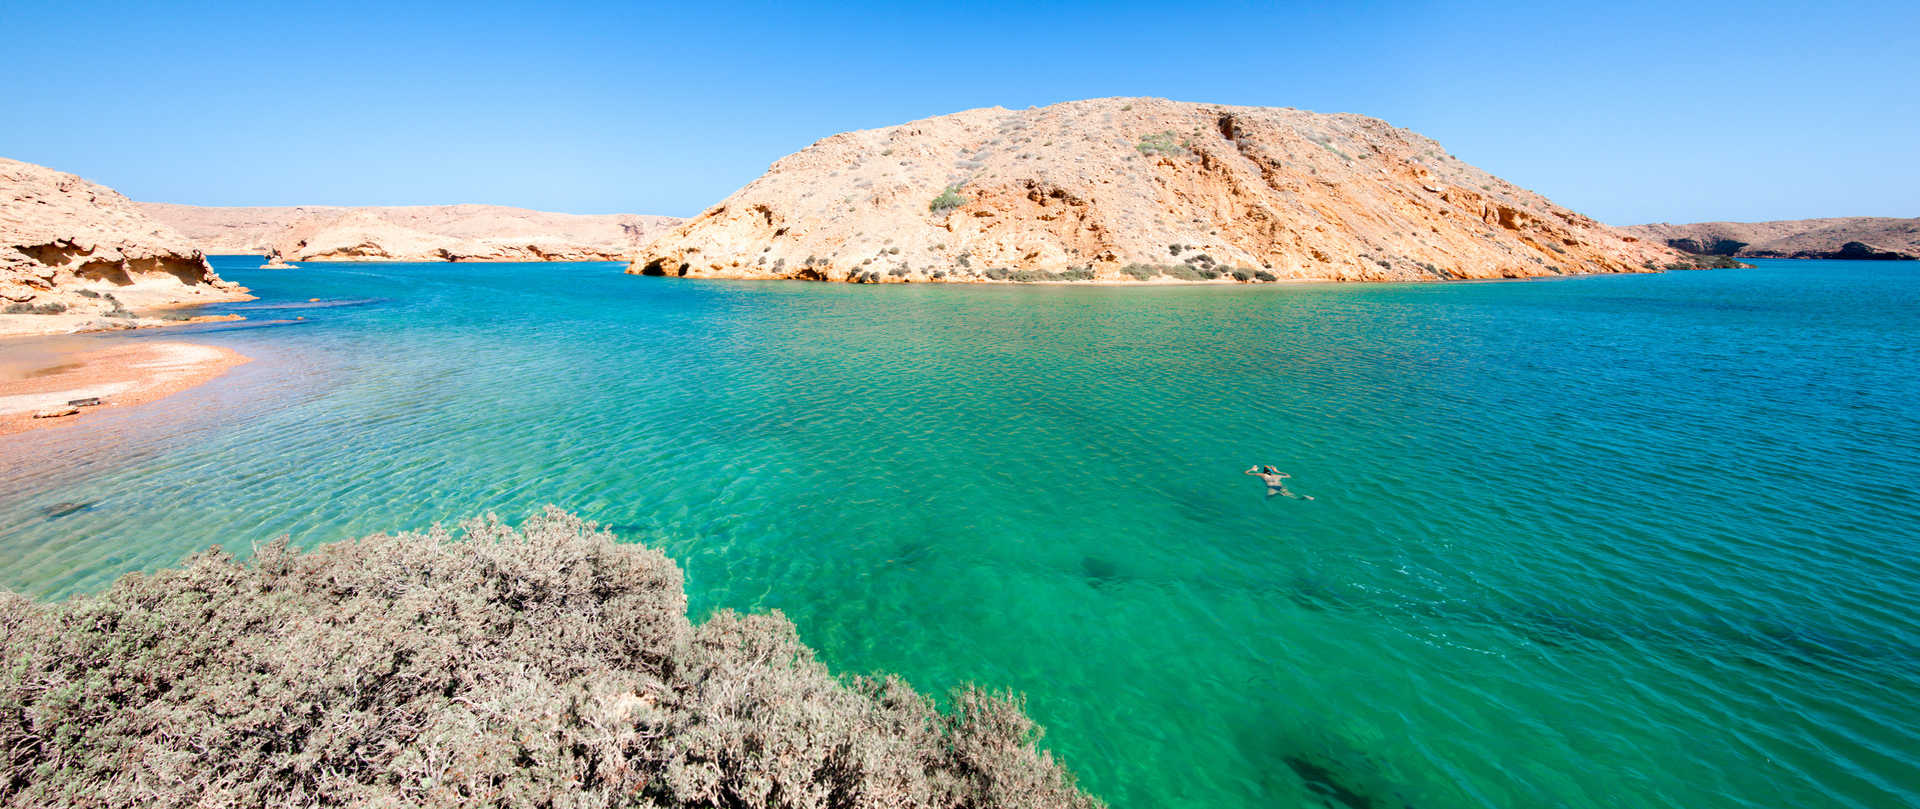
<point x="1858" y="238"/>
<point x="77" y="256"/>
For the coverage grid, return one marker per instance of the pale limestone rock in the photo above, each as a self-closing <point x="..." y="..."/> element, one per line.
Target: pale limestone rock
<point x="1094" y="186"/>
<point x="412" y="233"/>
<point x="66" y="242"/>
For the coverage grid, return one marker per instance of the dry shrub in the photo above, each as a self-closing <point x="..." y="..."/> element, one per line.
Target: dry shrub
<point x="545" y="667"/>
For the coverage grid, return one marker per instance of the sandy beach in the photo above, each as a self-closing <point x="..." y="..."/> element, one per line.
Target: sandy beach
<point x="40" y="380"/>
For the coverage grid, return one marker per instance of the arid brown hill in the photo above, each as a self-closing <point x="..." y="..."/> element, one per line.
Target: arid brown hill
<point x="1123" y="189"/>
<point x="1852" y="237"/>
<point x="75" y="255"/>
<point x="412" y="233"/>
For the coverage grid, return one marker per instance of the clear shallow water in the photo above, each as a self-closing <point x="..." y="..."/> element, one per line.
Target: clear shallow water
<point x="1635" y="541"/>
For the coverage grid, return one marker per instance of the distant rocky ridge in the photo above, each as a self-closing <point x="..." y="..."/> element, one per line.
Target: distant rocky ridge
<point x="1138" y="189"/>
<point x="1853" y="237"/>
<point x="77" y="256"/>
<point x="412" y="233"/>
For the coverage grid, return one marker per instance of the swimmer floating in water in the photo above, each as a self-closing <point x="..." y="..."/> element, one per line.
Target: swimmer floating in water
<point x="1275" y="480"/>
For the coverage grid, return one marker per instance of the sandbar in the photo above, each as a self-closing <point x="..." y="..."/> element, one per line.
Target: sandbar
<point x="43" y="378"/>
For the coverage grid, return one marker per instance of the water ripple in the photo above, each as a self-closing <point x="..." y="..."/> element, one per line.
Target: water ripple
<point x="1613" y="542"/>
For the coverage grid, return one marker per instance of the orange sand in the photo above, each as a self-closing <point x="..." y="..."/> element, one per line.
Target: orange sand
<point x="126" y="375"/>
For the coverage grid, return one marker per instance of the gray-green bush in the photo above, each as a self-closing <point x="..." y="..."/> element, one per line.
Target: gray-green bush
<point x="948" y="200"/>
<point x="546" y="667"/>
<point x="1166" y="143"/>
<point x="1707" y="263"/>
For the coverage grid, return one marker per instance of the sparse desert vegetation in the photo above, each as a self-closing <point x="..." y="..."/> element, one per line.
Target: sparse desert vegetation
<point x="948" y="200"/>
<point x="545" y="666"/>
<point x="1164" y="143"/>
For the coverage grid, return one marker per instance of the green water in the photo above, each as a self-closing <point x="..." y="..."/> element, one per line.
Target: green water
<point x="1638" y="541"/>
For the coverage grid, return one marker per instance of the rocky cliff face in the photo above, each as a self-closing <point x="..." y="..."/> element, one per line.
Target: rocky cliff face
<point x="1854" y="237"/>
<point x="412" y="233"/>
<point x="1137" y="190"/>
<point x="75" y="255"/>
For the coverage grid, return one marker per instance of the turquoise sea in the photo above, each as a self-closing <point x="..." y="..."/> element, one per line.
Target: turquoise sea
<point x="1631" y="541"/>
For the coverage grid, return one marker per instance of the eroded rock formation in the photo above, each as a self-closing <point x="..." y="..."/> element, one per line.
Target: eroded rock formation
<point x="1852" y="237"/>
<point x="1123" y="189"/>
<point x="412" y="233"/>
<point x="75" y="255"/>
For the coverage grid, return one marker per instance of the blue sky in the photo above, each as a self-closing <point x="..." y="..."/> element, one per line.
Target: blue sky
<point x="1630" y="113"/>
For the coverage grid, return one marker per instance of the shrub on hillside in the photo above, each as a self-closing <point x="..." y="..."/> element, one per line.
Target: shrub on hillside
<point x="548" y="666"/>
<point x="947" y="201"/>
<point x="1043" y="276"/>
<point x="1166" y="143"/>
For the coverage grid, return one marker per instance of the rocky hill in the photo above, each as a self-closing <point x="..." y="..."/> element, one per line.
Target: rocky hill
<point x="412" y="233"/>
<point x="75" y="255"/>
<point x="1138" y="189"/>
<point x="1853" y="237"/>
